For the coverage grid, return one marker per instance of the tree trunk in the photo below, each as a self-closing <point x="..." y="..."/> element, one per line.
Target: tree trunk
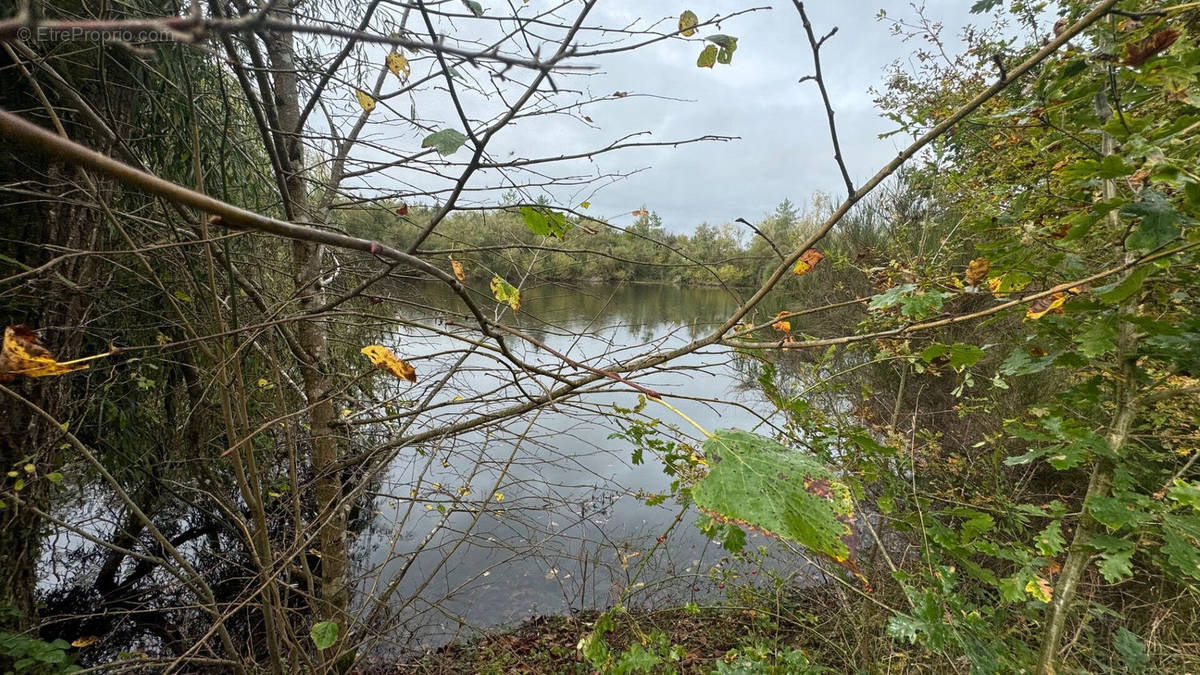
<point x="312" y="337"/>
<point x="1124" y="412"/>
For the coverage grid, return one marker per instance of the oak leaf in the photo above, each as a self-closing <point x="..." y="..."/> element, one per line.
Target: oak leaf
<point x="384" y="358"/>
<point x="1040" y="589"/>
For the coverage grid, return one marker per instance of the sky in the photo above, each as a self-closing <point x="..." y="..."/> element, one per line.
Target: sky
<point x="782" y="151"/>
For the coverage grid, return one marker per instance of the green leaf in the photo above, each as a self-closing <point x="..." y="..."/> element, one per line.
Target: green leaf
<point x="1112" y="512"/>
<point x="934" y="351"/>
<point x="475" y="7"/>
<point x="1131" y="649"/>
<point x="1120" y="290"/>
<point x="734" y="540"/>
<point x="1187" y="494"/>
<point x="324" y="634"/>
<point x="687" y="23"/>
<point x="922" y="303"/>
<point x="891" y="296"/>
<point x="1115" y="555"/>
<point x="962" y="355"/>
<point x="728" y="45"/>
<point x="982" y="6"/>
<point x="976" y="524"/>
<point x="708" y="56"/>
<point x="1181" y="554"/>
<point x="1110" y="167"/>
<point x="1159" y="223"/>
<point x="1021" y="362"/>
<point x="544" y="222"/>
<point x="723" y="41"/>
<point x="756" y="481"/>
<point x="446" y="141"/>
<point x="1100" y="338"/>
<point x="1050" y="542"/>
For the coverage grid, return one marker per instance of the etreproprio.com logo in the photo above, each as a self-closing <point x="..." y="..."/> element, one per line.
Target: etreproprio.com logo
<point x="80" y="33"/>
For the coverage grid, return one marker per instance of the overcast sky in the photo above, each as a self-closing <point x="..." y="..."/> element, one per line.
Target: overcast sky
<point x="784" y="149"/>
<point x="783" y="152"/>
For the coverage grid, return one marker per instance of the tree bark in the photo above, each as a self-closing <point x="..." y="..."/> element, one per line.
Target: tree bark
<point x="312" y="335"/>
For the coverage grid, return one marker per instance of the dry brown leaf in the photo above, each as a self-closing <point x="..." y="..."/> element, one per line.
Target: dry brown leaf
<point x="384" y="358"/>
<point x="1137" y="54"/>
<point x="86" y="641"/>
<point x="1048" y="305"/>
<point x="781" y="325"/>
<point x="807" y="261"/>
<point x="977" y="271"/>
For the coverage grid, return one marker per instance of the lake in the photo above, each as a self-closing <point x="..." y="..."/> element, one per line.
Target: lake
<point x="542" y="514"/>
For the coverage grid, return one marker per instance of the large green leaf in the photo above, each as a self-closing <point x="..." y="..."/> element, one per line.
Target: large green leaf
<point x="755" y="481"/>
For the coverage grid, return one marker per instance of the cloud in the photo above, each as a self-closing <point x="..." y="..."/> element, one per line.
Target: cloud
<point x="784" y="151"/>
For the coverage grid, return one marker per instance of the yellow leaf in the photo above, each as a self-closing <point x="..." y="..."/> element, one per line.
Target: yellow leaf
<point x="781" y="325"/>
<point x="23" y="356"/>
<point x="499" y="496"/>
<point x="506" y="292"/>
<point x="86" y="641"/>
<point x="1043" y="306"/>
<point x="459" y="272"/>
<point x="1040" y="589"/>
<point x="687" y="23"/>
<point x="807" y="261"/>
<point x="584" y="205"/>
<point x="365" y="100"/>
<point x="384" y="358"/>
<point x="398" y="64"/>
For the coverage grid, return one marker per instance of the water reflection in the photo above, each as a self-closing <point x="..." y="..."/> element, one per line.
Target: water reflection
<point x="540" y="514"/>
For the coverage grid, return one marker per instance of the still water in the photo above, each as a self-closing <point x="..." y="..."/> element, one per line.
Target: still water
<point x="540" y="514"/>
